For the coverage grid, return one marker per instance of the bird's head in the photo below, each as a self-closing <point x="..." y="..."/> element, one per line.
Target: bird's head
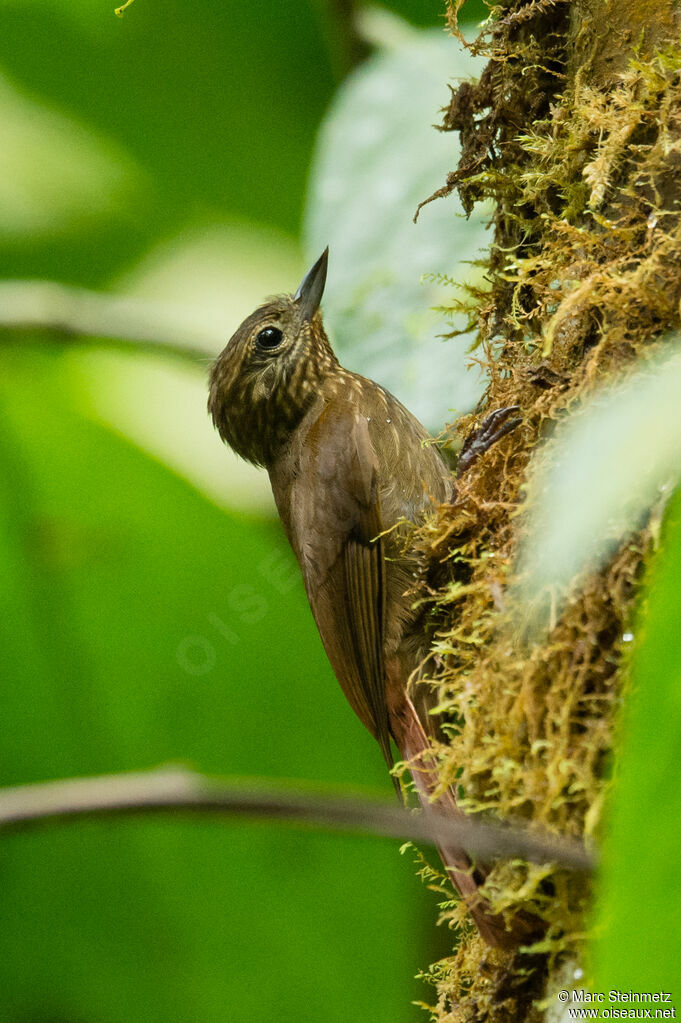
<point x="265" y="380"/>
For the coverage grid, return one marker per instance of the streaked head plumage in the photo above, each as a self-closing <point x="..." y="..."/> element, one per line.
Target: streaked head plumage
<point x="268" y="375"/>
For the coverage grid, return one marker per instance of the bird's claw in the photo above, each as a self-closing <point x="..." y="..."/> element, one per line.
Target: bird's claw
<point x="495" y="426"/>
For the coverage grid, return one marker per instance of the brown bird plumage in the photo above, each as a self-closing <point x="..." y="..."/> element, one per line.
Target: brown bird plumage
<point x="349" y="465"/>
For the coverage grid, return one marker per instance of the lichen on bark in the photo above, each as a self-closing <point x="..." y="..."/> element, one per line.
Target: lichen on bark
<point x="574" y="132"/>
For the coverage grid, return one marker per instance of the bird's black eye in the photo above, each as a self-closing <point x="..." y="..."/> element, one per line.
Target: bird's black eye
<point x="269" y="337"/>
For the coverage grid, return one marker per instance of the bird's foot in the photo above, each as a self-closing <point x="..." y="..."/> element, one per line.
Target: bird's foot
<point x="495" y="426"/>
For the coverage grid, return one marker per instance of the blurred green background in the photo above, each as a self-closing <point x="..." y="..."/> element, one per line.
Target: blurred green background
<point x="183" y="162"/>
<point x="151" y="610"/>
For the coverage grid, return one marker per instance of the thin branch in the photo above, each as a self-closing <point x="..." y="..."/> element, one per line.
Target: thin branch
<point x="177" y="789"/>
<point x="75" y="314"/>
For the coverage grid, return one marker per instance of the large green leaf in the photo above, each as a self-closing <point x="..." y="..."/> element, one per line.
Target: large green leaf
<point x="54" y="175"/>
<point x="601" y="474"/>
<point x="639" y="906"/>
<point x="378" y="156"/>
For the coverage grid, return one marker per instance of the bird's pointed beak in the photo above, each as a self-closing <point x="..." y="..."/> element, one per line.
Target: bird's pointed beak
<point x="311" y="289"/>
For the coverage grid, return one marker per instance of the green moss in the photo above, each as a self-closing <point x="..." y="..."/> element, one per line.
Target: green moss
<point x="583" y="168"/>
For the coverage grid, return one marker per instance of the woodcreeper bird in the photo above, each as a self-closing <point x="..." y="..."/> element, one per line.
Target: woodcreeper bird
<point x="349" y="467"/>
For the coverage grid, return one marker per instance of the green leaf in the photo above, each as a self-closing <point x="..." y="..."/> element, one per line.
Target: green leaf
<point x="55" y="175"/>
<point x="600" y="476"/>
<point x="638" y="917"/>
<point x="378" y="155"/>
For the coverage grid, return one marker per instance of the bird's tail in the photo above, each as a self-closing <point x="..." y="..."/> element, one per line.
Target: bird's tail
<point x="465" y="876"/>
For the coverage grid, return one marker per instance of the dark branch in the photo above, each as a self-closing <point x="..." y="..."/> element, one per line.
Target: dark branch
<point x="179" y="790"/>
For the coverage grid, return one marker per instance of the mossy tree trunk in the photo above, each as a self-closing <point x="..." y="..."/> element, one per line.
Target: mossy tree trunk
<point x="574" y="132"/>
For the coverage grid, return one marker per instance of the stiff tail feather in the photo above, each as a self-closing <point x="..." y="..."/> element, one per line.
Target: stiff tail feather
<point x="466" y="877"/>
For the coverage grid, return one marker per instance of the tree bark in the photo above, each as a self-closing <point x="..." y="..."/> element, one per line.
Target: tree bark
<point x="574" y="132"/>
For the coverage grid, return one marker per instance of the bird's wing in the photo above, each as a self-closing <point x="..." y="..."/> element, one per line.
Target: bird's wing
<point x="335" y="505"/>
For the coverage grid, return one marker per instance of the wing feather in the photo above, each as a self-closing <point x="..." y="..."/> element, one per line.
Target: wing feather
<point x="337" y="534"/>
